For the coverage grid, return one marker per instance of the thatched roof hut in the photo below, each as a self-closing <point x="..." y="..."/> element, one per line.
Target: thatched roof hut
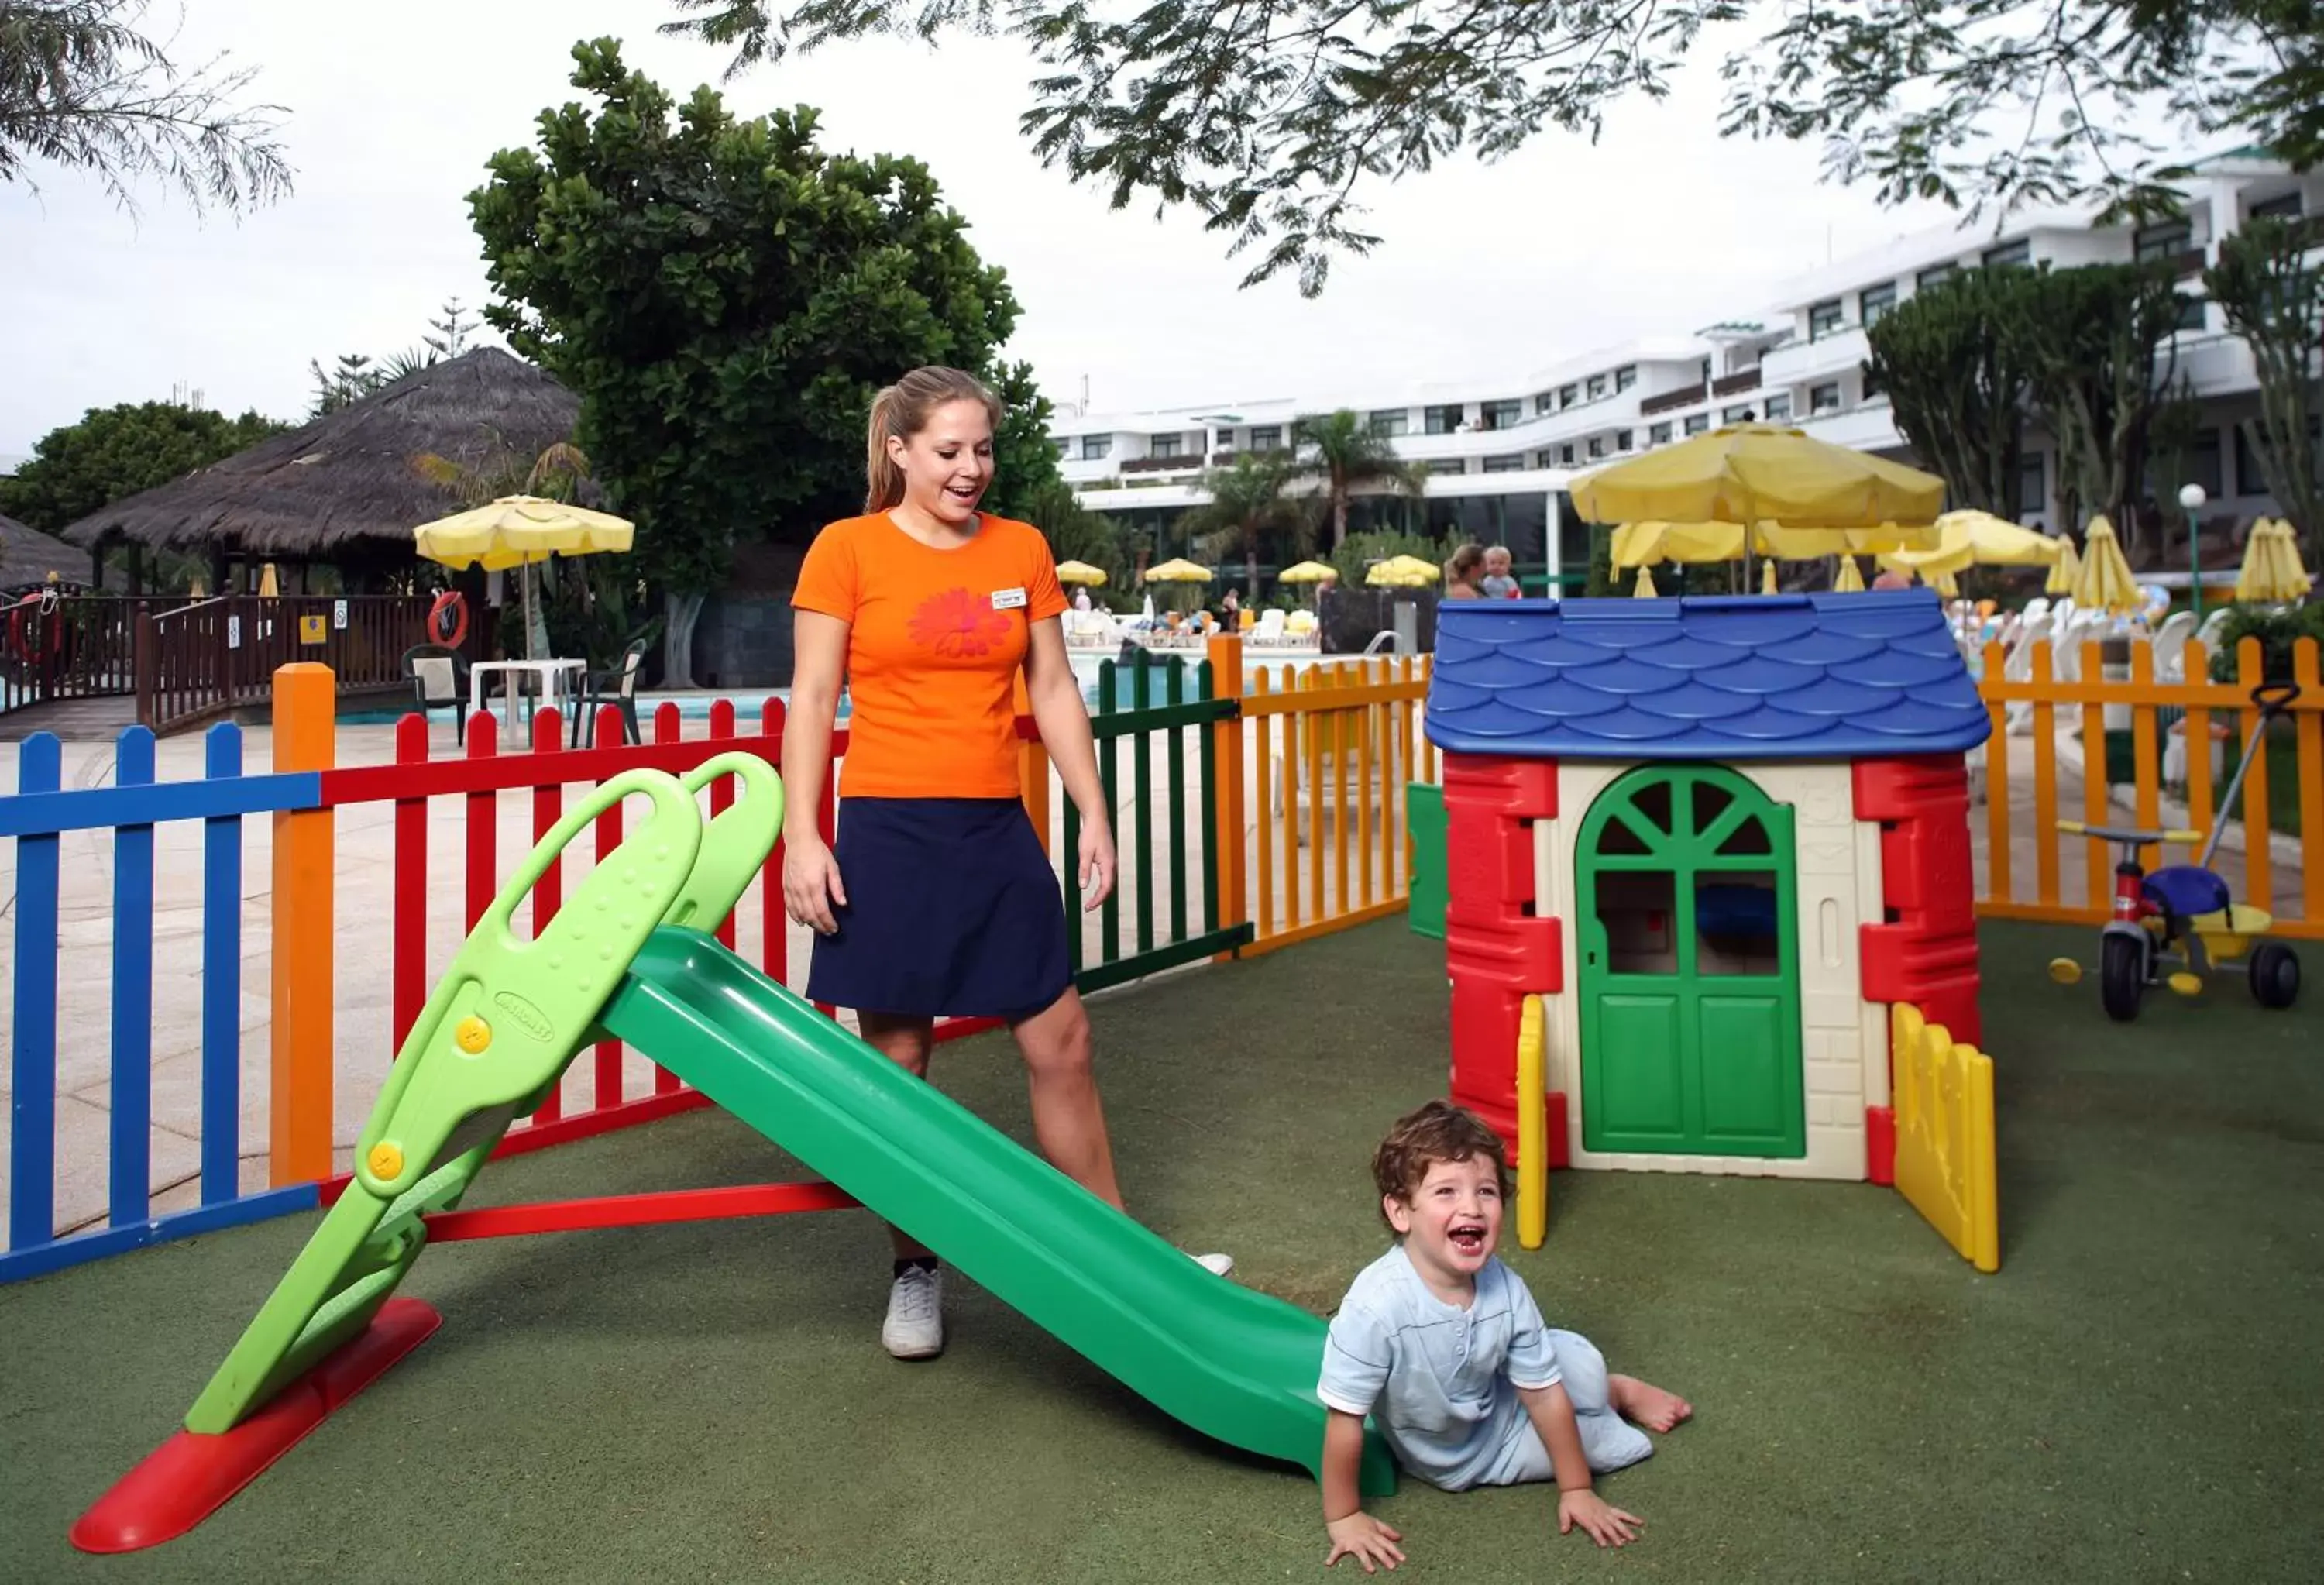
<point x="349" y="487"/>
<point x="27" y="556"/>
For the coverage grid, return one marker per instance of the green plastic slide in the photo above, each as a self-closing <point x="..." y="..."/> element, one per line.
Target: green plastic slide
<point x="1231" y="1362"/>
<point x="626" y="955"/>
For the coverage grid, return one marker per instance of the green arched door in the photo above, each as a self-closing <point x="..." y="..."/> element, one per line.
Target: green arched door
<point x="1689" y="947"/>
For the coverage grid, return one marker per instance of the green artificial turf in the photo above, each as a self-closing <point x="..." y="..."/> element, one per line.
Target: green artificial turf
<point x="2134" y="1397"/>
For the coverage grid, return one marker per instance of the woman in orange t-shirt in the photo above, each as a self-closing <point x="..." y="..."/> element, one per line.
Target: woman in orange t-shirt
<point x="937" y="897"/>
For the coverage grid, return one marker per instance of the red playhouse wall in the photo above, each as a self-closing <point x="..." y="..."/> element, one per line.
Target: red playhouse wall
<point x="1496" y="951"/>
<point x="1924" y="951"/>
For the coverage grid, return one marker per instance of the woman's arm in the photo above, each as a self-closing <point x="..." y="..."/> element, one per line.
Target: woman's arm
<point x="1063" y="720"/>
<point x="811" y="882"/>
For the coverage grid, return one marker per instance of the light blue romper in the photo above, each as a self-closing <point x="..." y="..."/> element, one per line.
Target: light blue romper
<point x="1443" y="1381"/>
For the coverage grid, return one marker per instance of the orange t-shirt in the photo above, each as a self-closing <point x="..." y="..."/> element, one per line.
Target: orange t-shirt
<point x="934" y="643"/>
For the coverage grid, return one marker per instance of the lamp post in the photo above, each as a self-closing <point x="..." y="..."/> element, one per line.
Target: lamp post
<point x="2191" y="497"/>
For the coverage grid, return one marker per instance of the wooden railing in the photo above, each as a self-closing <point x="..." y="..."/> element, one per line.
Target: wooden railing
<point x="2072" y="876"/>
<point x="67" y="647"/>
<point x="215" y="656"/>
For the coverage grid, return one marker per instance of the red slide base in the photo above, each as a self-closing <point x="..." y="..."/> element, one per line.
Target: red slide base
<point x="191" y="1477"/>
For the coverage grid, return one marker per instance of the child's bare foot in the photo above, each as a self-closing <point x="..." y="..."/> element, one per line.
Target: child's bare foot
<point x="1642" y="1405"/>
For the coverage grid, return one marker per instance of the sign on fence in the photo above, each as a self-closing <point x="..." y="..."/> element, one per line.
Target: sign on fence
<point x="313" y="629"/>
<point x="339" y="615"/>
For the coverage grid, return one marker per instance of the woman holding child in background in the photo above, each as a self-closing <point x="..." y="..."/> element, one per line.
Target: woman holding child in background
<point x="937" y="897"/>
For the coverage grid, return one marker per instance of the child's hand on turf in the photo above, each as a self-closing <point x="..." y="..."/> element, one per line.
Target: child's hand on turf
<point x="1365" y="1539"/>
<point x="1606" y="1524"/>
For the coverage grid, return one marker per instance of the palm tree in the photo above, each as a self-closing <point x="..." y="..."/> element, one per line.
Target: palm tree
<point x="1348" y="455"/>
<point x="1247" y="501"/>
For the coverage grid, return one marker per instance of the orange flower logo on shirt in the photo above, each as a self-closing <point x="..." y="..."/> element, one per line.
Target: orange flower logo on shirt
<point x="957" y="625"/>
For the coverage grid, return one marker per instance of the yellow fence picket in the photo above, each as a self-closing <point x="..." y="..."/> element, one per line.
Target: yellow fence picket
<point x="1945" y="1165"/>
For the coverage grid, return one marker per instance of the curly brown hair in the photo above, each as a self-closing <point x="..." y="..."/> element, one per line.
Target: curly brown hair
<point x="1438" y="1131"/>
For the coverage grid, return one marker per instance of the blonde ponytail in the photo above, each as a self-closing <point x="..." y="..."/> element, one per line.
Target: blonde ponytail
<point x="902" y="410"/>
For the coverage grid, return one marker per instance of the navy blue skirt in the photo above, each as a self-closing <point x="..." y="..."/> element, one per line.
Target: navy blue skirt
<point x="952" y="911"/>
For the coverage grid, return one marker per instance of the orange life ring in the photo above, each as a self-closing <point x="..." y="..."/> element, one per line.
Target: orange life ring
<point x="455" y="602"/>
<point x="45" y="603"/>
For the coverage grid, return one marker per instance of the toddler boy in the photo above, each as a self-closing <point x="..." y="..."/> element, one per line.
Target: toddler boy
<point x="1498" y="583"/>
<point x="1444" y="1345"/>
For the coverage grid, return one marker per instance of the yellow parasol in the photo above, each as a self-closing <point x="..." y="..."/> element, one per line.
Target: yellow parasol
<point x="2065" y="569"/>
<point x="1768" y="578"/>
<point x="1645" y="589"/>
<point x="1402" y="572"/>
<point x="1760" y="473"/>
<point x="270" y="587"/>
<point x="1976" y="539"/>
<point x="2105" y="582"/>
<point x="1849" y="579"/>
<point x="2272" y="574"/>
<point x="1943" y="580"/>
<point x="1648" y="543"/>
<point x="1308" y="572"/>
<point x="519" y="531"/>
<point x="1081" y="572"/>
<point x="1178" y="570"/>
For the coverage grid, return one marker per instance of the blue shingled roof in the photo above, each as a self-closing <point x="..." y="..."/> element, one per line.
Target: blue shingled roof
<point x="1797" y="677"/>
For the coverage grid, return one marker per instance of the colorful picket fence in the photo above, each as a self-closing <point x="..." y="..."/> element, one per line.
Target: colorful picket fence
<point x="2071" y="877"/>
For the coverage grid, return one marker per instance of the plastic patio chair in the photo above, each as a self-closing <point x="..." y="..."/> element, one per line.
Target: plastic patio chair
<point x="617" y="687"/>
<point x="440" y="679"/>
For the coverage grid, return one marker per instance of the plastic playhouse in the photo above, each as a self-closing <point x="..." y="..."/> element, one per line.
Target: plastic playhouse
<point x="1723" y="844"/>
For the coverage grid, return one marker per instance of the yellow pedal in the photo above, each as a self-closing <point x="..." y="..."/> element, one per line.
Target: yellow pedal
<point x="2065" y="971"/>
<point x="2186" y="984"/>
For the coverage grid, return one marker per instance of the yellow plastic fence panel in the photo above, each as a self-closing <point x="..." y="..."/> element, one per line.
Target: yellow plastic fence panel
<point x="1533" y="1127"/>
<point x="1944" y="1135"/>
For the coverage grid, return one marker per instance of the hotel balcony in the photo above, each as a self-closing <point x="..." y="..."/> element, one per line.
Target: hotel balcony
<point x="1803" y="363"/>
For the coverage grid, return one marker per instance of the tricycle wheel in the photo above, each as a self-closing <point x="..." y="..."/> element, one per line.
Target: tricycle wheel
<point x="2122" y="976"/>
<point x="2274" y="974"/>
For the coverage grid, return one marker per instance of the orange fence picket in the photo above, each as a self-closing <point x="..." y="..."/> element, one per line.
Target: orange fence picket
<point x="2153" y="722"/>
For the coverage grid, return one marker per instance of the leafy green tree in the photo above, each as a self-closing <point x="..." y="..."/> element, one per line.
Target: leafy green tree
<point x="1269" y="118"/>
<point x="1024" y="457"/>
<point x="114" y="451"/>
<point x="1248" y="506"/>
<point x="2272" y="292"/>
<point x="726" y="297"/>
<point x="1342" y="453"/>
<point x="1958" y="381"/>
<point x="357" y="374"/>
<point x="82" y="87"/>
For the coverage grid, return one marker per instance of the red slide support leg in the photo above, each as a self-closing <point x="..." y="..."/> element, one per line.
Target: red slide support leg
<point x="1498" y="949"/>
<point x="191" y="1477"/>
<point x="1923" y="950"/>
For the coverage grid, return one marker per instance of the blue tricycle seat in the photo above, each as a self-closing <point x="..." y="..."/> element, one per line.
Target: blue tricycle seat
<point x="2187" y="890"/>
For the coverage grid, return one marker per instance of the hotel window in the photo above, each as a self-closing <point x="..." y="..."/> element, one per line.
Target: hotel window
<point x="1546" y="402"/>
<point x="1870" y="383"/>
<point x="1597" y="386"/>
<point x="1500" y="415"/>
<point x="1505" y="465"/>
<point x="2202" y="464"/>
<point x="2010" y="255"/>
<point x="1565" y="454"/>
<point x="1095" y="448"/>
<point x="1447" y="465"/>
<point x="2284" y="207"/>
<point x="1736" y="415"/>
<point x="2165" y="240"/>
<point x="1568" y="395"/>
<point x="1597" y="447"/>
<point x="1625" y="376"/>
<point x="2032" y="484"/>
<point x="1544" y="458"/>
<point x="2190" y="312"/>
<point x="1779" y="406"/>
<point x="1699" y="424"/>
<point x="1064" y="445"/>
<point x="2251" y="465"/>
<point x="1391" y="420"/>
<point x="1266" y="436"/>
<point x="1825" y="398"/>
<point x="1935" y="275"/>
<point x="1166" y="445"/>
<point x="1622" y="438"/>
<point x="1658" y="434"/>
<point x="1873" y="302"/>
<point x="1823" y="319"/>
<point x="1441" y="420"/>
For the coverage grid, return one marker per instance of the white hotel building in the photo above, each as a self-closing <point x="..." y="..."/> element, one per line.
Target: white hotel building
<point x="1500" y="452"/>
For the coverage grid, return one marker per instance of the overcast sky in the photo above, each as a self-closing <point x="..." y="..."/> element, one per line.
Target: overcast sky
<point x="1660" y="227"/>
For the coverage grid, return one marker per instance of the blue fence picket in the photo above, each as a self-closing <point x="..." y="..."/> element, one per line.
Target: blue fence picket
<point x="221" y="977"/>
<point x="33" y="1072"/>
<point x="131" y="1180"/>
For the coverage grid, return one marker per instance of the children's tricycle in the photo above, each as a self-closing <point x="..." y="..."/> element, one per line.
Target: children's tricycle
<point x="2183" y="913"/>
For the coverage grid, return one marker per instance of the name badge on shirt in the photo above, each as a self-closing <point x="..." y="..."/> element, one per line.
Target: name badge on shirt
<point x="1008" y="599"/>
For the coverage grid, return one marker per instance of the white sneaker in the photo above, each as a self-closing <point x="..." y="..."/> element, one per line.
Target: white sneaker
<point x="1216" y="1265"/>
<point x="914" y="1329"/>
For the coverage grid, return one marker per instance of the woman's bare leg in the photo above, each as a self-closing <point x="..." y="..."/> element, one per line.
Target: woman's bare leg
<point x="1068" y="1120"/>
<point x="905" y="1042"/>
